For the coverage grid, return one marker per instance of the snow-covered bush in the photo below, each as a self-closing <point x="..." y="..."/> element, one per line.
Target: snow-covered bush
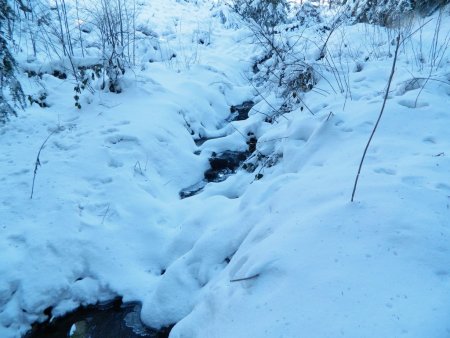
<point x="227" y="15"/>
<point x="300" y="78"/>
<point x="308" y="14"/>
<point x="389" y="12"/>
<point x="378" y="12"/>
<point x="114" y="21"/>
<point x="428" y="7"/>
<point x="265" y="13"/>
<point x="291" y="62"/>
<point x="69" y="31"/>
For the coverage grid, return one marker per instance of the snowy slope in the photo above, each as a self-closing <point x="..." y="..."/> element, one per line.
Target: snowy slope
<point x="106" y="218"/>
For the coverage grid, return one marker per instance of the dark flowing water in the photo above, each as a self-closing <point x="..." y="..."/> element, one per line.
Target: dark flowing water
<point x="110" y="320"/>
<point x="226" y="163"/>
<point x="240" y="112"/>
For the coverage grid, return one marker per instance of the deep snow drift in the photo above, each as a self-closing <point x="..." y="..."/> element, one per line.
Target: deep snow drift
<point x="106" y="218"/>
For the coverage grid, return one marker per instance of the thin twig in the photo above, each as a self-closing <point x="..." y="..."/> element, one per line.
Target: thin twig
<point x="430" y="79"/>
<point x="414" y="32"/>
<point x="264" y="99"/>
<point x="137" y="168"/>
<point x="38" y="162"/>
<point x="106" y="213"/>
<point x="306" y="106"/>
<point x="423" y="87"/>
<point x="245" y="278"/>
<point x="391" y="76"/>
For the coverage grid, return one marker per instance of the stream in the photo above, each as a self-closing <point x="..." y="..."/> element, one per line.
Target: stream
<point x="116" y="319"/>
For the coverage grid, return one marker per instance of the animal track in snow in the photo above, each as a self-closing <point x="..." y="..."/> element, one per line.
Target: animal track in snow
<point x="97" y="213"/>
<point x="20" y="172"/>
<point x="98" y="181"/>
<point x="318" y="163"/>
<point x="416" y="181"/>
<point x="412" y="104"/>
<point x="122" y="123"/>
<point x="123" y="140"/>
<point x="114" y="163"/>
<point x="109" y="131"/>
<point x="385" y="171"/>
<point x="343" y="128"/>
<point x="429" y="139"/>
<point x="17" y="240"/>
<point x="409" y="85"/>
<point x="64" y="147"/>
<point x="443" y="186"/>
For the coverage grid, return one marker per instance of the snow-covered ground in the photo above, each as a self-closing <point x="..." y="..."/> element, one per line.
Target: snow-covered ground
<point x="106" y="218"/>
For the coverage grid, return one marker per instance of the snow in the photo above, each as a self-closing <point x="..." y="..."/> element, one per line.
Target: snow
<point x="106" y="218"/>
<point x="72" y="331"/>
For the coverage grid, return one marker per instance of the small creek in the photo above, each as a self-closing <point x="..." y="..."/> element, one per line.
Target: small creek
<point x="226" y="163"/>
<point x="116" y="319"/>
